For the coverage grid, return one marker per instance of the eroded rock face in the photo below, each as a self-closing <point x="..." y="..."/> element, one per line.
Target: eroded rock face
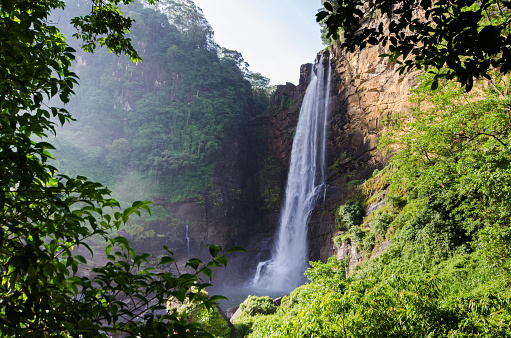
<point x="365" y="91"/>
<point x="242" y="205"/>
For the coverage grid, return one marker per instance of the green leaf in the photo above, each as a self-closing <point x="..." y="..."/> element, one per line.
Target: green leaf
<point x="214" y="250"/>
<point x="81" y="259"/>
<point x="69" y="326"/>
<point x="194" y="263"/>
<point x="222" y="260"/>
<point x="321" y="16"/>
<point x="216" y="298"/>
<point x="434" y="84"/>
<point x="236" y="249"/>
<point x="166" y="260"/>
<point x="214" y="264"/>
<point x="207" y="272"/>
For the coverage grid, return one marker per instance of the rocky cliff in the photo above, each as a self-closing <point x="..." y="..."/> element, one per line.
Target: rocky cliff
<point x="242" y="204"/>
<point x="365" y="91"/>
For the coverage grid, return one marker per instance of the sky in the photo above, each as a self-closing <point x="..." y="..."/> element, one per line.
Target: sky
<point x="275" y="37"/>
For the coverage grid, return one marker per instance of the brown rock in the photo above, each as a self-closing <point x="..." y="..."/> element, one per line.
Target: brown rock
<point x="277" y="301"/>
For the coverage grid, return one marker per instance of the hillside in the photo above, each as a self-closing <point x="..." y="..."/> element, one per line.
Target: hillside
<point x="167" y="129"/>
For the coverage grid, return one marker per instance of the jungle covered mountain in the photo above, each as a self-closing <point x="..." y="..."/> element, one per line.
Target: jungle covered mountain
<point x="158" y="125"/>
<point x="46" y="215"/>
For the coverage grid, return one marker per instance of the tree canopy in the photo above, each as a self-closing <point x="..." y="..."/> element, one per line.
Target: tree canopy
<point x="172" y="113"/>
<point x="461" y="39"/>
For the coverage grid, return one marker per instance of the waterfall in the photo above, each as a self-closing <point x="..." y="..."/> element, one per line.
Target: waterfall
<point x="187" y="243"/>
<point x="306" y="179"/>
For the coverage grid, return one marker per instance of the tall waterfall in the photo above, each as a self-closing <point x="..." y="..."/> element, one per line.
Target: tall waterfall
<point x="306" y="179"/>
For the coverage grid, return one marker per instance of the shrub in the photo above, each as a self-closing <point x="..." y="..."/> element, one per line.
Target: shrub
<point x="209" y="319"/>
<point x="350" y="214"/>
<point x="258" y="305"/>
<point x="368" y="242"/>
<point x="380" y="223"/>
<point x="396" y="201"/>
<point x="284" y="102"/>
<point x="357" y="235"/>
<point x="338" y="240"/>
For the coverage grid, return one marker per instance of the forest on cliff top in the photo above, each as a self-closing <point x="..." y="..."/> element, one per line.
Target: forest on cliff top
<point x="162" y="122"/>
<point x="156" y="130"/>
<point x="141" y="119"/>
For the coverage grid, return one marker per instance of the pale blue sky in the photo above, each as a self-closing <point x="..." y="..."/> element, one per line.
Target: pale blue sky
<point x="274" y="36"/>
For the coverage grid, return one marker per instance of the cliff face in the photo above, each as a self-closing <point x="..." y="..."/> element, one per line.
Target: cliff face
<point x="365" y="91"/>
<point x="241" y="207"/>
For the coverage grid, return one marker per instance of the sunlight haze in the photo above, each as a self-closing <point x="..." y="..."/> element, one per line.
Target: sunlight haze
<point x="274" y="36"/>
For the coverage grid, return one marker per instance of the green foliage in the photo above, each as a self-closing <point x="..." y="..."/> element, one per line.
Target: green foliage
<point x="339" y="239"/>
<point x="357" y="235"/>
<point x="118" y="154"/>
<point x="245" y="323"/>
<point x="381" y="222"/>
<point x="459" y="41"/>
<point x="349" y="215"/>
<point x="284" y="102"/>
<point x="329" y="272"/>
<point x="258" y="305"/>
<point x="209" y="318"/>
<point x="258" y="81"/>
<point x="456" y="152"/>
<point x="48" y="219"/>
<point x="167" y="118"/>
<point x="367" y="243"/>
<point x="254" y="312"/>
<point x="381" y="307"/>
<point x="493" y="244"/>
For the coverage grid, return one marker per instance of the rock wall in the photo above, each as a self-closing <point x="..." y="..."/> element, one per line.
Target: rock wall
<point x="365" y="91"/>
<point x="241" y="207"/>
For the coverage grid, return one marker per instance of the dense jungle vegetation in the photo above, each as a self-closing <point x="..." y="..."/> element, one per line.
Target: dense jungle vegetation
<point x="446" y="268"/>
<point x="155" y="129"/>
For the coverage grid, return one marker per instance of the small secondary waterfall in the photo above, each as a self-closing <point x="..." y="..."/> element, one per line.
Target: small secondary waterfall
<point x="187" y="243"/>
<point x="306" y="179"/>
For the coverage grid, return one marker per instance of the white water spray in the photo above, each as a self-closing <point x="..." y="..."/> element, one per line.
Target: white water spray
<point x="306" y="179"/>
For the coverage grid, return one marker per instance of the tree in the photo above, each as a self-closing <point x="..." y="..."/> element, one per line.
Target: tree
<point x="258" y="81"/>
<point x="461" y="39"/>
<point x="46" y="216"/>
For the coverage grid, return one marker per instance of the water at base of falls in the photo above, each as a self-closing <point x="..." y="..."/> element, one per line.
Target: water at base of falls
<point x="306" y="180"/>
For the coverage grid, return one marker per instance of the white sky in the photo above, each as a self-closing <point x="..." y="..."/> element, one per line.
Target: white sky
<point x="274" y="36"/>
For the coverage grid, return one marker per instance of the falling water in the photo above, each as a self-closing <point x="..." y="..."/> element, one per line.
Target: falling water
<point x="187" y="242"/>
<point x="306" y="179"/>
